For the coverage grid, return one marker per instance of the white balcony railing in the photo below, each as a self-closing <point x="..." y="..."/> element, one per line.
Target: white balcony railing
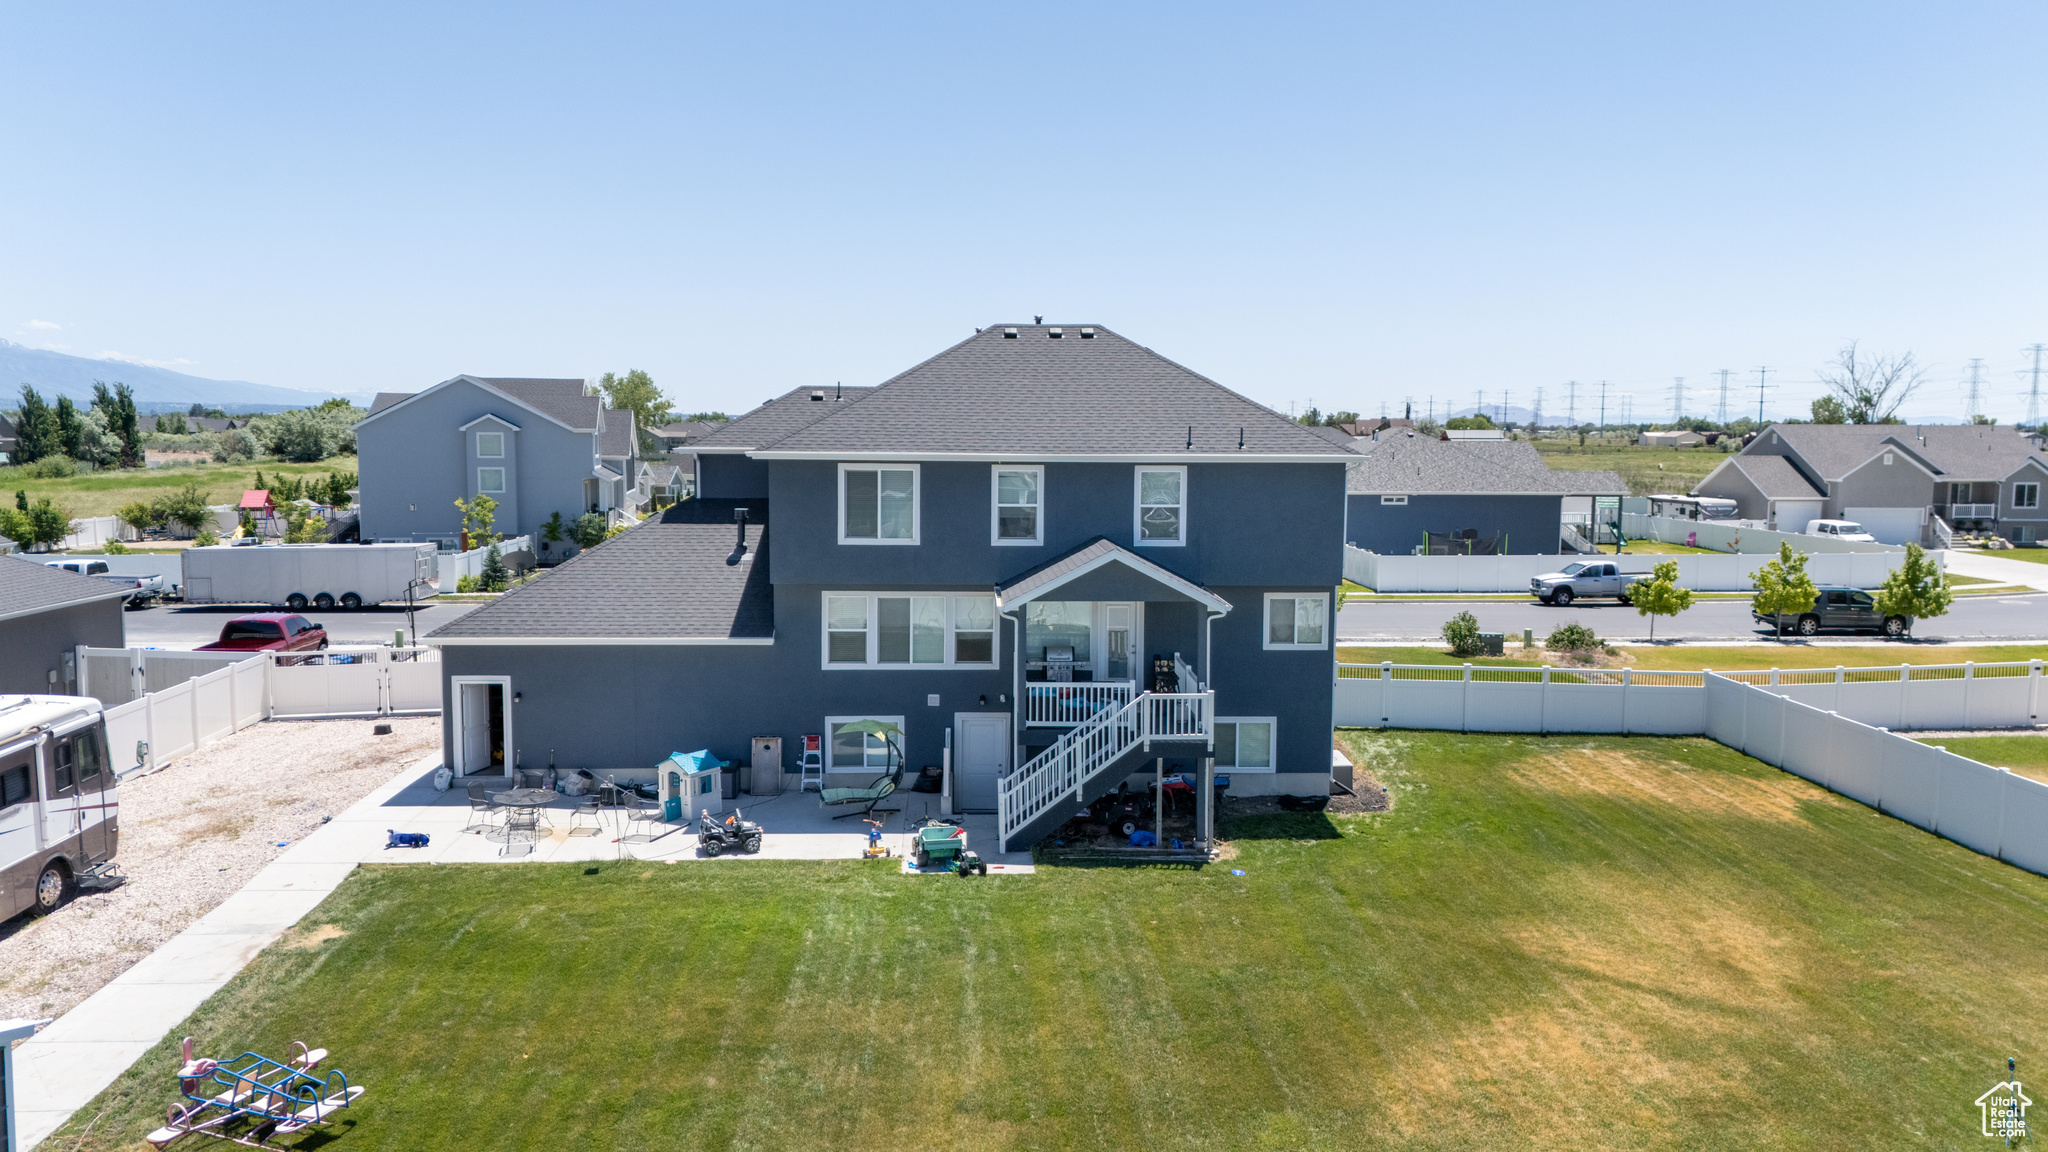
<point x="1972" y="512"/>
<point x="1050" y="704"/>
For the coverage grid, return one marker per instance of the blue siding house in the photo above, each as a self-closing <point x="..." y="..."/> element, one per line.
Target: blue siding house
<point x="536" y="446"/>
<point x="1046" y="549"/>
<point x="1414" y="492"/>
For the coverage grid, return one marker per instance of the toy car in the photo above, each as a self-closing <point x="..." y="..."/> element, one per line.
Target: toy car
<point x="735" y="833"/>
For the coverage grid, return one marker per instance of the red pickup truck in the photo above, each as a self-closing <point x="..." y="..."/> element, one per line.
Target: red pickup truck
<point x="269" y="632"/>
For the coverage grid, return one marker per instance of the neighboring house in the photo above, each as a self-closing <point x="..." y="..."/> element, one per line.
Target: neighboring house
<point x="1410" y="485"/>
<point x="930" y="552"/>
<point x="45" y="614"/>
<point x="666" y="483"/>
<point x="1356" y="428"/>
<point x="214" y="424"/>
<point x="536" y="446"/>
<point x="1905" y="483"/>
<point x="685" y="432"/>
<point x="1676" y="438"/>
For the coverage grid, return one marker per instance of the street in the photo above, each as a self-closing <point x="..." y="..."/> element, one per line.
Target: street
<point x="2020" y="617"/>
<point x="176" y="626"/>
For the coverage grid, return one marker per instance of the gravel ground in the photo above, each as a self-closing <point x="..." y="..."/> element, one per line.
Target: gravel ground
<point x="193" y="834"/>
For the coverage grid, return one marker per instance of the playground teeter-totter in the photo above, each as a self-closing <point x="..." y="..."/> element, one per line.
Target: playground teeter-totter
<point x="262" y="1098"/>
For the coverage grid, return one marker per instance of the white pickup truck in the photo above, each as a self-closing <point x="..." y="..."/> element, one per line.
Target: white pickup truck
<point x="143" y="589"/>
<point x="1583" y="578"/>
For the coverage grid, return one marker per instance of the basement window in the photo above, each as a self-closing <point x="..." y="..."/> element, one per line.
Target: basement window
<point x="1245" y="743"/>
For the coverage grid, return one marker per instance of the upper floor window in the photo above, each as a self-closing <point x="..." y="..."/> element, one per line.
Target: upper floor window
<point x="1162" y="507"/>
<point x="490" y="479"/>
<point x="1019" y="510"/>
<point x="1294" y="621"/>
<point x="2026" y="495"/>
<point x="490" y="444"/>
<point x="878" y="504"/>
<point x="864" y="629"/>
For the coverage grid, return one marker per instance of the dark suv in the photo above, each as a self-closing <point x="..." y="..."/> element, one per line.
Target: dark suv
<point x="1838" y="610"/>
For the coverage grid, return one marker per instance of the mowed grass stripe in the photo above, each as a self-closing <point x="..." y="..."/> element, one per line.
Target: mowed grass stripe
<point x="1547" y="943"/>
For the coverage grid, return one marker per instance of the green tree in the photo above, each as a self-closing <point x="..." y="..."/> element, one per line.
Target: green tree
<point x="1476" y="420"/>
<point x="1829" y="410"/>
<point x="36" y="432"/>
<point x="495" y="577"/>
<point x="70" y="430"/>
<point x="589" y="530"/>
<point x="302" y="526"/>
<point x="141" y="515"/>
<point x="708" y="418"/>
<point x="1461" y="632"/>
<point x="234" y="446"/>
<point x="479" y="518"/>
<point x="14" y="525"/>
<point x="117" y="404"/>
<point x="1916" y="590"/>
<point x="207" y="538"/>
<point x="300" y="436"/>
<point x="1870" y="388"/>
<point x="173" y="424"/>
<point x="284" y="489"/>
<point x="48" y="523"/>
<point x="554" y="531"/>
<point x="186" y="507"/>
<point x="1783" y="588"/>
<point x="1660" y="595"/>
<point x="635" y="392"/>
<point x="334" y="493"/>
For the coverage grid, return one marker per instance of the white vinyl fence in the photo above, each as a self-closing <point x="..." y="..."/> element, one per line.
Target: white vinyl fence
<point x="148" y="731"/>
<point x="1827" y="725"/>
<point x="456" y="565"/>
<point x="1701" y="573"/>
<point x="1723" y="537"/>
<point x="95" y="531"/>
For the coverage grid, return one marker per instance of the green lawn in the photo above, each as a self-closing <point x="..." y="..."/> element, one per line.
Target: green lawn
<point x="1547" y="943"/>
<point x="2036" y="555"/>
<point x="103" y="493"/>
<point x="1690" y="658"/>
<point x="1681" y="467"/>
<point x="1660" y="548"/>
<point x="2025" y="755"/>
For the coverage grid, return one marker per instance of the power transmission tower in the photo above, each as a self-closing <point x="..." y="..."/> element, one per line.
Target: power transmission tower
<point x="1504" y="397"/>
<point x="1760" y="396"/>
<point x="1536" y="417"/>
<point x="1432" y="408"/>
<point x="2034" y="390"/>
<point x="1603" y="408"/>
<point x="1677" y="399"/>
<point x="1975" y="408"/>
<point x="1479" y="404"/>
<point x="1723" y="414"/>
<point x="1571" y="404"/>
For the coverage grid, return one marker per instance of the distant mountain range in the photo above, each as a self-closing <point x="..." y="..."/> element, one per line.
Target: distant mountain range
<point x="56" y="374"/>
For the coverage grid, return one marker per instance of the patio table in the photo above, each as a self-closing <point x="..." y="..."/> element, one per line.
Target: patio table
<point x="520" y="800"/>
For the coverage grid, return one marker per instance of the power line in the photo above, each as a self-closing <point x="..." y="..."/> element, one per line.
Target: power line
<point x="1723" y="414"/>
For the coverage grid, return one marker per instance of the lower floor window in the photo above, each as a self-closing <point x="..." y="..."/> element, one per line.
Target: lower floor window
<point x="854" y="750"/>
<point x="1244" y="743"/>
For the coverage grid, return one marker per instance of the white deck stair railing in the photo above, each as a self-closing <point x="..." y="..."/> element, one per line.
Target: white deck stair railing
<point x="1086" y="751"/>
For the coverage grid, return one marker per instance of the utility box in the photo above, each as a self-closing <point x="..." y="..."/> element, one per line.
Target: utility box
<point x="1495" y="643"/>
<point x="767" y="766"/>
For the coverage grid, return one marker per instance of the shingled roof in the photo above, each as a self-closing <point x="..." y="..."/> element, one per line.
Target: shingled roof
<point x="1774" y="476"/>
<point x="1411" y="463"/>
<point x="1042" y="390"/>
<point x="798" y="408"/>
<point x="672" y="579"/>
<point x="1956" y="451"/>
<point x="561" y="399"/>
<point x="30" y="586"/>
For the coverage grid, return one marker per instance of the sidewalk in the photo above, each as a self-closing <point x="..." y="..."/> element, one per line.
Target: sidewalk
<point x="64" y="1066"/>
<point x="1991" y="566"/>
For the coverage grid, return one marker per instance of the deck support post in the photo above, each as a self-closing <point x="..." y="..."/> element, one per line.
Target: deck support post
<point x="1159" y="802"/>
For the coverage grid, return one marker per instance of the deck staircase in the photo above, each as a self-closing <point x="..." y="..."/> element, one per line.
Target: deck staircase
<point x="1576" y="542"/>
<point x="1092" y="758"/>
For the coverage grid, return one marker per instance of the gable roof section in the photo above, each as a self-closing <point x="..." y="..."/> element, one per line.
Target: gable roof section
<point x="561" y="401"/>
<point x="616" y="437"/>
<point x="1040" y="397"/>
<point x="1956" y="451"/>
<point x="1774" y="476"/>
<point x="489" y="416"/>
<point x="1098" y="553"/>
<point x="1410" y="463"/>
<point x="29" y="586"/>
<point x="778" y="418"/>
<point x="667" y="580"/>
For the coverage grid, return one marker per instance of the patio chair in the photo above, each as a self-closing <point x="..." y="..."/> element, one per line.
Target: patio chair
<point x="479" y="802"/>
<point x="871" y="795"/>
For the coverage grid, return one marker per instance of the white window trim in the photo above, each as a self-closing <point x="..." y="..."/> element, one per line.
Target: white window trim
<point x="1266" y="622"/>
<point x="499" y="490"/>
<point x="916" y="501"/>
<point x="2032" y="504"/>
<point x="483" y="455"/>
<point x="995" y="510"/>
<point x="1138" y="510"/>
<point x="1272" y="743"/>
<point x="874" y="632"/>
<point x="1393" y="499"/>
<point x="902" y="743"/>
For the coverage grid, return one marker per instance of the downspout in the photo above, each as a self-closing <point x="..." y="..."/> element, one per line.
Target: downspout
<point x="1016" y="689"/>
<point x="1209" y="648"/>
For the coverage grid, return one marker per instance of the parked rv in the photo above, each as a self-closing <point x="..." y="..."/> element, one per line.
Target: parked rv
<point x="1694" y="507"/>
<point x="299" y="576"/>
<point x="58" y="810"/>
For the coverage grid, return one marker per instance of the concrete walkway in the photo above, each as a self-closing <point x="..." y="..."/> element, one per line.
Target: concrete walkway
<point x="73" y="1060"/>
<point x="1992" y="566"/>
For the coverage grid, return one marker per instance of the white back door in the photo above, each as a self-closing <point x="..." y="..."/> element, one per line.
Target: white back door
<point x="981" y="756"/>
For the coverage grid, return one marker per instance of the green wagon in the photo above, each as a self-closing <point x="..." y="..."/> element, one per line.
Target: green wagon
<point x="945" y="844"/>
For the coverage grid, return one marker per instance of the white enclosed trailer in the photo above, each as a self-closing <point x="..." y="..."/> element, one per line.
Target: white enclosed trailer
<point x="299" y="576"/>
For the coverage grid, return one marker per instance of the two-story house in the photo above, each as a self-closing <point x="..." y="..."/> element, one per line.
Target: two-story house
<point x="1905" y="483"/>
<point x="1048" y="550"/>
<point x="536" y="446"/>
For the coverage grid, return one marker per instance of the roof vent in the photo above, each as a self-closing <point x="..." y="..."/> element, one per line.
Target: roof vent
<point x="1054" y="333"/>
<point x="817" y="396"/>
<point x="1009" y="333"/>
<point x="1087" y="333"/>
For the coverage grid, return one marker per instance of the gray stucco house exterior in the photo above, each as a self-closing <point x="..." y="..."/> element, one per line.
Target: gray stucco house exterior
<point x="45" y="614"/>
<point x="1905" y="483"/>
<point x="930" y="552"/>
<point x="1411" y="484"/>
<point x="536" y="446"/>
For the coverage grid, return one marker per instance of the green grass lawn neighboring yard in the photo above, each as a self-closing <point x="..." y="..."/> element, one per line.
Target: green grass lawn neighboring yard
<point x="1681" y="467"/>
<point x="103" y="493"/>
<point x="1689" y="658"/>
<point x="2025" y="755"/>
<point x="1547" y="943"/>
<point x="2035" y="555"/>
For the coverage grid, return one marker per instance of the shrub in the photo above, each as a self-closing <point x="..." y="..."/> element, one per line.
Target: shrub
<point x="589" y="530"/>
<point x="207" y="538"/>
<point x="465" y="583"/>
<point x="141" y="515"/>
<point x="55" y="467"/>
<point x="1461" y="632"/>
<point x="495" y="575"/>
<point x="1572" y="638"/>
<point x="298" y="435"/>
<point x="234" y="445"/>
<point x="116" y="548"/>
<point x="186" y="507"/>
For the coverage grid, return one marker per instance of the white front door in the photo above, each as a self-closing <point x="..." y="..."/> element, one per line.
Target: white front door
<point x="981" y="756"/>
<point x="482" y="726"/>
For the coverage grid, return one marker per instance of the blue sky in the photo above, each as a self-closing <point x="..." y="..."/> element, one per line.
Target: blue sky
<point x="1346" y="205"/>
